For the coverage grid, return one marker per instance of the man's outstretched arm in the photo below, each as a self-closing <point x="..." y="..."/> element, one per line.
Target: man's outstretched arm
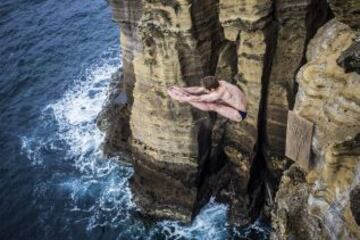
<point x="181" y="97"/>
<point x="210" y="97"/>
<point x="195" y="90"/>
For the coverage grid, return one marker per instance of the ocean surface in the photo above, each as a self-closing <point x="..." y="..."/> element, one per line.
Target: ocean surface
<point x="56" y="59"/>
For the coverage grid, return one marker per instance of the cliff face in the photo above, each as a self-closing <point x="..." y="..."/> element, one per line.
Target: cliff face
<point x="328" y="97"/>
<point x="182" y="156"/>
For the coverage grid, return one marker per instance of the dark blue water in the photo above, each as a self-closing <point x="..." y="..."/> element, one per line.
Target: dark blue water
<point x="56" y="59"/>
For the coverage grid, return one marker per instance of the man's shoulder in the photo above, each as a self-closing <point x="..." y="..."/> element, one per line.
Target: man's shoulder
<point x="224" y="83"/>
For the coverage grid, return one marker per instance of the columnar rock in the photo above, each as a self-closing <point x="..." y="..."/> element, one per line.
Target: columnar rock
<point x="248" y="24"/>
<point x="330" y="98"/>
<point x="180" y="159"/>
<point x="177" y="38"/>
<point x="114" y="118"/>
<point x="297" y="22"/>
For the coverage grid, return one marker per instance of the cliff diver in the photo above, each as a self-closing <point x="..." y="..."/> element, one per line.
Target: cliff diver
<point x="221" y="97"/>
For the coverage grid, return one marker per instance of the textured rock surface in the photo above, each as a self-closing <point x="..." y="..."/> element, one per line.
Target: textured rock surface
<point x="350" y="58"/>
<point x="347" y="11"/>
<point x="182" y="157"/>
<point x="176" y="41"/>
<point x="249" y="25"/>
<point x="113" y="120"/>
<point x="297" y="23"/>
<point x="291" y="219"/>
<point x="330" y="98"/>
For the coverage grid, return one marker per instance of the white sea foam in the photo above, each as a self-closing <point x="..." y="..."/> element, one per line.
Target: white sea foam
<point x="209" y="224"/>
<point x="99" y="189"/>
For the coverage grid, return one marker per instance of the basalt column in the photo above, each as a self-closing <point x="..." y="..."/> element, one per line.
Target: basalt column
<point x="248" y="25"/>
<point x="177" y="39"/>
<point x="297" y="22"/>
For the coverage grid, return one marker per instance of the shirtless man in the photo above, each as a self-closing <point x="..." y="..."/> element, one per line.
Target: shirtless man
<point x="219" y="96"/>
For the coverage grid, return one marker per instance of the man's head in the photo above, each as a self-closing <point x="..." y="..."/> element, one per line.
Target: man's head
<point x="210" y="82"/>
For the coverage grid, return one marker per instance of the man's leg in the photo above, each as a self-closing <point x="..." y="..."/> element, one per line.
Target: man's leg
<point x="223" y="110"/>
<point x="228" y="112"/>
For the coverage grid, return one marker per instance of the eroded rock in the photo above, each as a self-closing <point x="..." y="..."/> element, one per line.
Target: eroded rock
<point x="347" y="11"/>
<point x="182" y="156"/>
<point x="350" y="58"/>
<point x="290" y="218"/>
<point x="298" y="21"/>
<point x="329" y="98"/>
<point x="177" y="40"/>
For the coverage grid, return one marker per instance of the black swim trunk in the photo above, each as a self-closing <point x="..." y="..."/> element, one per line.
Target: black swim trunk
<point x="242" y="114"/>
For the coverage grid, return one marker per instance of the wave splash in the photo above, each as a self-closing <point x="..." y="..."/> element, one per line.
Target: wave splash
<point x="96" y="190"/>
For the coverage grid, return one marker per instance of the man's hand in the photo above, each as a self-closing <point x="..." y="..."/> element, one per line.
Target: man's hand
<point x="209" y="97"/>
<point x="179" y="94"/>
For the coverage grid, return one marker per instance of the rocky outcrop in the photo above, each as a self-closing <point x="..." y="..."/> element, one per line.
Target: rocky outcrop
<point x="249" y="26"/>
<point x="113" y="119"/>
<point x="115" y="116"/>
<point x="297" y="24"/>
<point x="182" y="156"/>
<point x="350" y="58"/>
<point x="165" y="43"/>
<point x="347" y="11"/>
<point x="328" y="97"/>
<point x="290" y="217"/>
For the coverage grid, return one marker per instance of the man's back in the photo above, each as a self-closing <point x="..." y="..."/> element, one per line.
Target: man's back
<point x="233" y="96"/>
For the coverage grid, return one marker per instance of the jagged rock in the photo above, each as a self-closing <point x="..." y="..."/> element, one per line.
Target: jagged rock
<point x="355" y="203"/>
<point x="243" y="15"/>
<point x="241" y="139"/>
<point x="250" y="25"/>
<point x="347" y="11"/>
<point x="350" y="58"/>
<point x="329" y="98"/>
<point x="290" y="218"/>
<point x="113" y="119"/>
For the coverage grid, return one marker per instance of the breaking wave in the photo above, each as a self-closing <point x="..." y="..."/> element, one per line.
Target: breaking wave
<point x="96" y="190"/>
